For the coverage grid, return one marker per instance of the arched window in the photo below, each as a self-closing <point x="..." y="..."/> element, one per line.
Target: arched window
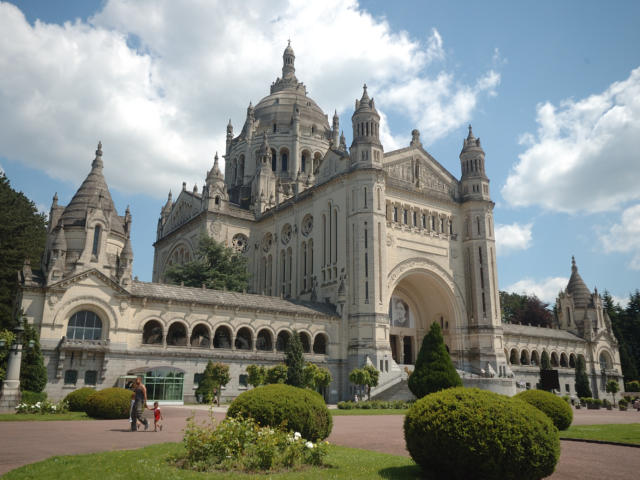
<point x="513" y="357"/>
<point x="282" y="341"/>
<point x="524" y="358"/>
<point x="264" y="341"/>
<point x="284" y="161"/>
<point x="572" y="361"/>
<point x="535" y="358"/>
<point x="605" y="361"/>
<point x="306" y="342"/>
<point x="243" y="339"/>
<point x="320" y="344"/>
<point x="564" y="362"/>
<point x="274" y="159"/>
<point x="177" y="335"/>
<point x="222" y="338"/>
<point x="200" y="336"/>
<point x="152" y="333"/>
<point x="554" y="359"/>
<point x="84" y="325"/>
<point x="96" y="240"/>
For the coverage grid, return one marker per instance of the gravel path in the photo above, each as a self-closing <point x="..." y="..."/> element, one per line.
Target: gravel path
<point x="27" y="442"/>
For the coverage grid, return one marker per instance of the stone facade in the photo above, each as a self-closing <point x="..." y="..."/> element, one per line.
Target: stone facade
<point x="358" y="249"/>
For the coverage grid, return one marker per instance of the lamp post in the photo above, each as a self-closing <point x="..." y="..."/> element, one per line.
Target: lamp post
<point x="10" y="394"/>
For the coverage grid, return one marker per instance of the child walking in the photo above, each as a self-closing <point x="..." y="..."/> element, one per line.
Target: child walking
<point x="157" y="416"/>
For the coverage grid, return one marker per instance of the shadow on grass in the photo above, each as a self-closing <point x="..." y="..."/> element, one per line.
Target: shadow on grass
<point x="400" y="473"/>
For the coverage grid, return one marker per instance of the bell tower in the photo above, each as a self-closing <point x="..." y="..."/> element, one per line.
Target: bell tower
<point x="366" y="149"/>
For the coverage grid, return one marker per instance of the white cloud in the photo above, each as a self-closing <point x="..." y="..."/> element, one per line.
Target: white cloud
<point x="513" y="237"/>
<point x="546" y="290"/>
<point x="624" y="237"/>
<point x="583" y="157"/>
<point x="157" y="81"/>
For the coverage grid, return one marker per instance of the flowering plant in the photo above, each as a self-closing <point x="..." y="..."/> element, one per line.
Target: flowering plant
<point x="41" y="407"/>
<point x="243" y="445"/>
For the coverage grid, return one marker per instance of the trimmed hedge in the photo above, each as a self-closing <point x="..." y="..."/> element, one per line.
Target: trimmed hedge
<point x="77" y="400"/>
<point x="109" y="403"/>
<point x="297" y="409"/>
<point x="554" y="407"/>
<point x="32" y="398"/>
<point x="463" y="433"/>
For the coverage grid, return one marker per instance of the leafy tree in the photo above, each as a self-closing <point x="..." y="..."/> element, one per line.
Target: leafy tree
<point x="358" y="376"/>
<point x="625" y="323"/>
<point x="613" y="387"/>
<point x="276" y="374"/>
<point x="373" y="376"/>
<point x="257" y="375"/>
<point x="33" y="373"/>
<point x="294" y="359"/>
<point x="434" y="370"/>
<point x="216" y="376"/>
<point x="22" y="235"/>
<point x="8" y="338"/>
<point x="525" y="310"/>
<point x="545" y="364"/>
<point x="583" y="390"/>
<point x="315" y="377"/>
<point x="215" y="266"/>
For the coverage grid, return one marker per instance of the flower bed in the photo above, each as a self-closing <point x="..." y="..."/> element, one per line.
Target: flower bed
<point x="41" y="407"/>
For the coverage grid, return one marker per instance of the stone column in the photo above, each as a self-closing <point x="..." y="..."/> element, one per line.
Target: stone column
<point x="10" y="394"/>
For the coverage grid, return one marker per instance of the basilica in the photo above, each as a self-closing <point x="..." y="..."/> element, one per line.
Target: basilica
<point x="356" y="248"/>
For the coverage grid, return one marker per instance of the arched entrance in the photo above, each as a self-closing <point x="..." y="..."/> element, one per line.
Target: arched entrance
<point x="418" y="300"/>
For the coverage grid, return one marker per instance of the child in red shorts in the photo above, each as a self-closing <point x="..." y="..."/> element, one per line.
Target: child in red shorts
<point x="157" y="416"/>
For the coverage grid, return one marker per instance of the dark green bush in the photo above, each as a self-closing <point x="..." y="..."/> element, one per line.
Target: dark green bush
<point x="33" y="397"/>
<point x="557" y="409"/>
<point x="77" y="400"/>
<point x="109" y="403"/>
<point x="463" y="433"/>
<point x="299" y="409"/>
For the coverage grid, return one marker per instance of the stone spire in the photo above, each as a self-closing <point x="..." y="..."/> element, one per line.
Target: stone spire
<point x="288" y="63"/>
<point x="335" y="131"/>
<point x="93" y="193"/>
<point x="577" y="288"/>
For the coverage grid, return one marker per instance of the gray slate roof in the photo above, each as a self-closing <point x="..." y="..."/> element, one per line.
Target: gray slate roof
<point x="512" y="329"/>
<point x="229" y="299"/>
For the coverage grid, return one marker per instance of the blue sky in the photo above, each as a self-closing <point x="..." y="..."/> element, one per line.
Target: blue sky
<point x="551" y="88"/>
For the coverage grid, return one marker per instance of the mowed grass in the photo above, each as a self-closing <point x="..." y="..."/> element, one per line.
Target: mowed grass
<point x="152" y="463"/>
<point x="372" y="411"/>
<point x="43" y="417"/>
<point x="622" y="433"/>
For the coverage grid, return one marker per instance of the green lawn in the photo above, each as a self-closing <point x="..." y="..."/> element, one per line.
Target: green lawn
<point x="372" y="411"/>
<point x="151" y="462"/>
<point x="623" y="433"/>
<point x="40" y="417"/>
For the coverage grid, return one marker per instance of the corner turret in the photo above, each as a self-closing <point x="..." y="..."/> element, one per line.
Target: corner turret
<point x="475" y="183"/>
<point x="366" y="149"/>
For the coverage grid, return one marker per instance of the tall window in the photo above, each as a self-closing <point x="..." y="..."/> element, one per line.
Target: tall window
<point x="285" y="162"/>
<point x="84" y="325"/>
<point x="96" y="240"/>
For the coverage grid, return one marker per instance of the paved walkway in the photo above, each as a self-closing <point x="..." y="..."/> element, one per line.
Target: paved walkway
<point x="27" y="442"/>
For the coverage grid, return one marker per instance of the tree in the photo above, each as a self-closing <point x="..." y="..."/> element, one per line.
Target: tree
<point x="33" y="373"/>
<point x="613" y="387"/>
<point x="257" y="375"/>
<point x="583" y="390"/>
<point x="276" y="374"/>
<point x="294" y="359"/>
<point x="525" y="310"/>
<point x="216" y="376"/>
<point x="358" y="376"/>
<point x="372" y="378"/>
<point x="8" y="338"/>
<point x="315" y="377"/>
<point x="22" y="235"/>
<point x="434" y="370"/>
<point x="625" y="324"/>
<point x="215" y="266"/>
<point x="545" y="364"/>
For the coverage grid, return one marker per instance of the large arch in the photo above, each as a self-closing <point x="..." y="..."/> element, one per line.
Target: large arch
<point x="282" y="340"/>
<point x="222" y="337"/>
<point x="200" y="336"/>
<point x="243" y="340"/>
<point x="320" y="343"/>
<point x="177" y="334"/>
<point x="419" y="293"/>
<point x="264" y="340"/>
<point x="152" y="333"/>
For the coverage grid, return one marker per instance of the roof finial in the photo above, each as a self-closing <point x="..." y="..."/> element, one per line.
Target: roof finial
<point x="470" y="132"/>
<point x="215" y="159"/>
<point x="99" y="150"/>
<point x="574" y="267"/>
<point x="97" y="162"/>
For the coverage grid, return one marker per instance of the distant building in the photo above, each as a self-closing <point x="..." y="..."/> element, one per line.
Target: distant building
<point x="358" y="249"/>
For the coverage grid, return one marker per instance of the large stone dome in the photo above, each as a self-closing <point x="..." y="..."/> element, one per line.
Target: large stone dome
<point x="577" y="288"/>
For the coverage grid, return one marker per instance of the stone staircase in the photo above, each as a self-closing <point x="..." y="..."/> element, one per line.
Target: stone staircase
<point x="398" y="391"/>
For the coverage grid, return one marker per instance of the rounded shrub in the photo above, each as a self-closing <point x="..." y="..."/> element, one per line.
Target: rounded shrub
<point x="462" y="433"/>
<point x="33" y="397"/>
<point x="297" y="409"/>
<point x="77" y="400"/>
<point x="109" y="403"/>
<point x="554" y="407"/>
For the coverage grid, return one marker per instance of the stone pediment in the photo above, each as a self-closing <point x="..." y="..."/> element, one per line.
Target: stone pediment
<point x="187" y="206"/>
<point x="93" y="274"/>
<point x="417" y="168"/>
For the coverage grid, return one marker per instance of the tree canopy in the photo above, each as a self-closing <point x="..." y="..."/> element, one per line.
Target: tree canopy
<point x="625" y="323"/>
<point x="214" y="266"/>
<point x="434" y="370"/>
<point x="216" y="376"/>
<point x="22" y="235"/>
<point x="583" y="390"/>
<point x="525" y="310"/>
<point x="294" y="359"/>
<point x="366" y="376"/>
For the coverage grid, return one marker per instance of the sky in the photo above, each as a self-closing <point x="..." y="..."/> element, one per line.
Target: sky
<point x="552" y="89"/>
